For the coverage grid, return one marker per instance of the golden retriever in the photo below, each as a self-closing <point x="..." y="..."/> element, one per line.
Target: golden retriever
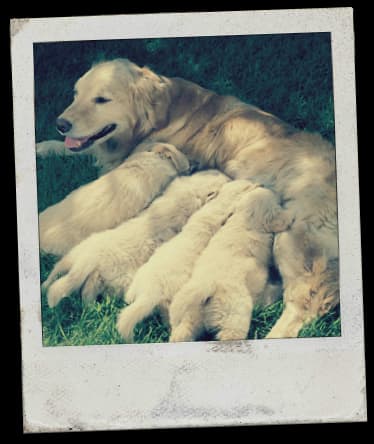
<point x="109" y="259"/>
<point x="230" y="276"/>
<point x="110" y="200"/>
<point x="118" y="105"/>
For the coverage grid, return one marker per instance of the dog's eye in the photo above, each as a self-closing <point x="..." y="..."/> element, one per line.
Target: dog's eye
<point x="101" y="100"/>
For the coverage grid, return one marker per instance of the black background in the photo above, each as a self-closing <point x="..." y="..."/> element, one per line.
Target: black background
<point x="11" y="411"/>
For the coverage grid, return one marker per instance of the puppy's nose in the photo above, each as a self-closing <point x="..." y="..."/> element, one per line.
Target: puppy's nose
<point x="63" y="125"/>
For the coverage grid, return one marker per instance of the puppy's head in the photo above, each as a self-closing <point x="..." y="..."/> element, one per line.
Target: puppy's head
<point x="205" y="185"/>
<point x="171" y="153"/>
<point x="263" y="211"/>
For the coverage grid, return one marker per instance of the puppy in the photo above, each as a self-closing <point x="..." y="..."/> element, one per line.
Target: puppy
<point x="109" y="259"/>
<point x="230" y="276"/>
<point x="113" y="198"/>
<point x="156" y="282"/>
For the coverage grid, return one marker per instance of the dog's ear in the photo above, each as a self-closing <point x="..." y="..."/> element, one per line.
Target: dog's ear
<point x="152" y="99"/>
<point x="265" y="213"/>
<point x="149" y="74"/>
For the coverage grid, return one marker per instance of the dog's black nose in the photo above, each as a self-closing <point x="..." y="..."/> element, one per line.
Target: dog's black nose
<point x="63" y="125"/>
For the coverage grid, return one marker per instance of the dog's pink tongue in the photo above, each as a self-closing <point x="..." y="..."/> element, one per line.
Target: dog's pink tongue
<point x="74" y="143"/>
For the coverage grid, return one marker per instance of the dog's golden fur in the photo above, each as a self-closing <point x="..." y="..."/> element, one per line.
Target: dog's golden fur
<point x="240" y="140"/>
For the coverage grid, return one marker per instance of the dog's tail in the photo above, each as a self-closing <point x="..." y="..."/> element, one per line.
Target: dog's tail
<point x="131" y="315"/>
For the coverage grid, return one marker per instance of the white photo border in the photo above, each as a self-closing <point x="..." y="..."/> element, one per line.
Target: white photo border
<point x="117" y="387"/>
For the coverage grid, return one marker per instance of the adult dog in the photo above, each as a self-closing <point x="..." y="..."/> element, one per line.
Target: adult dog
<point x="117" y="105"/>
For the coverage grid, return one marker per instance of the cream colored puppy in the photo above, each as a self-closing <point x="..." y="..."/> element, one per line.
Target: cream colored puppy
<point x="113" y="198"/>
<point x="157" y="281"/>
<point x="109" y="259"/>
<point x="230" y="276"/>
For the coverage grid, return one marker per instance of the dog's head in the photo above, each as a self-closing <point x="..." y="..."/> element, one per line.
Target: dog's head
<point x="171" y="153"/>
<point x="115" y="99"/>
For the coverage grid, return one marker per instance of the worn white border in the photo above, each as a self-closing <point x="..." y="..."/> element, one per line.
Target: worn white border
<point x="191" y="384"/>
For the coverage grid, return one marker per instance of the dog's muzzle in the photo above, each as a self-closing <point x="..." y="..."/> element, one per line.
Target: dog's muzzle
<point x="81" y="143"/>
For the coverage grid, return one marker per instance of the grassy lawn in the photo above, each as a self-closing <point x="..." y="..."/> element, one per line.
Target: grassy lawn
<point x="288" y="75"/>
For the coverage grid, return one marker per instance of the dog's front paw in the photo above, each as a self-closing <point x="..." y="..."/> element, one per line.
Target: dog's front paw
<point x="48" y="147"/>
<point x="44" y="287"/>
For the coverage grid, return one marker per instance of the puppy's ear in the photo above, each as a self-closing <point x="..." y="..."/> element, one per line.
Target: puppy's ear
<point x="276" y="219"/>
<point x="179" y="160"/>
<point x="176" y="157"/>
<point x="211" y="195"/>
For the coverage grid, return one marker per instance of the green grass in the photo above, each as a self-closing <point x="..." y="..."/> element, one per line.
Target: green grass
<point x="288" y="75"/>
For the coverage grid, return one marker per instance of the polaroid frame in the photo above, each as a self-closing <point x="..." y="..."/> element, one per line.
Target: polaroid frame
<point x="116" y="387"/>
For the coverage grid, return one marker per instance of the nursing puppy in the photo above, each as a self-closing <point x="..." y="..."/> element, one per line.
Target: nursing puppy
<point x="113" y="198"/>
<point x="158" y="280"/>
<point x="109" y="259"/>
<point x="230" y="276"/>
<point x="118" y="105"/>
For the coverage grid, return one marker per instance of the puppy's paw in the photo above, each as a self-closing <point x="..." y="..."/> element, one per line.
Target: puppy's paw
<point x="177" y="311"/>
<point x="56" y="292"/>
<point x="181" y="333"/>
<point x="231" y="335"/>
<point x="130" y="296"/>
<point x="125" y="327"/>
<point x="93" y="286"/>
